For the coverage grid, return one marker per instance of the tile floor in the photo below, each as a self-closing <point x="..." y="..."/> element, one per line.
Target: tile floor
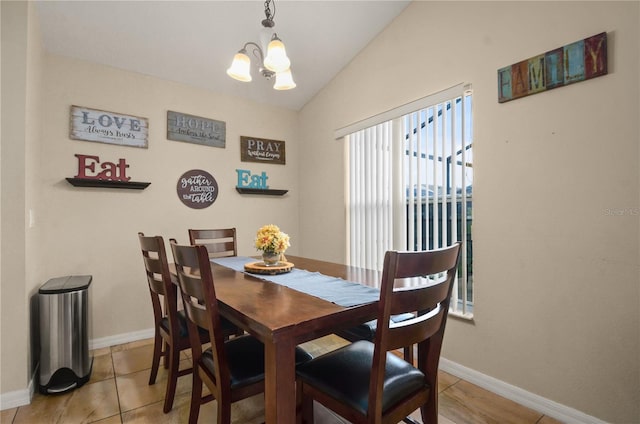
<point x="118" y="392"/>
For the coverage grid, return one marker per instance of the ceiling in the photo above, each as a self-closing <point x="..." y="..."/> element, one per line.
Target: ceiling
<point x="193" y="42"/>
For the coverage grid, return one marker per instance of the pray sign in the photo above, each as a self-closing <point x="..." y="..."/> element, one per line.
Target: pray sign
<point x="253" y="149"/>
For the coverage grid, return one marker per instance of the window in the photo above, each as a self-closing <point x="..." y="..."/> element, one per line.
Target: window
<point x="410" y="185"/>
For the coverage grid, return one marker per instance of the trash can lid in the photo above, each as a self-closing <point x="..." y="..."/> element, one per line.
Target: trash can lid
<point x="66" y="284"/>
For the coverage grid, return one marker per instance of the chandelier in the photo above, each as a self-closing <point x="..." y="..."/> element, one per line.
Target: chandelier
<point x="275" y="63"/>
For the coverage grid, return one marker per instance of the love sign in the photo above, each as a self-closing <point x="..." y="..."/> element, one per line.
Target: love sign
<point x="108" y="127"/>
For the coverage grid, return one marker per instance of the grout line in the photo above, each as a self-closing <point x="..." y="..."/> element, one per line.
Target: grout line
<point x="449" y="386"/>
<point x="115" y="382"/>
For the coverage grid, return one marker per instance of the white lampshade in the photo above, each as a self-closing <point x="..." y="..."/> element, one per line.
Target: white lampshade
<point x="241" y="67"/>
<point x="276" y="60"/>
<point x="284" y="81"/>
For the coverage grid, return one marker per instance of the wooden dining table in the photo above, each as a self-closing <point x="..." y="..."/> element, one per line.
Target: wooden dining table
<point x="282" y="318"/>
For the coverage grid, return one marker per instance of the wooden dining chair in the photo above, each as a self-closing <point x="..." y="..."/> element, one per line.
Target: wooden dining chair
<point x="231" y="369"/>
<point x="364" y="382"/>
<point x="171" y="336"/>
<point x="219" y="242"/>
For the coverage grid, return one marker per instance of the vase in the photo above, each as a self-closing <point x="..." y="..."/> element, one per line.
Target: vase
<point x="270" y="258"/>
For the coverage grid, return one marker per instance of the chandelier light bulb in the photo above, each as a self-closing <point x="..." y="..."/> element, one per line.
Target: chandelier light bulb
<point x="240" y="67"/>
<point x="276" y="60"/>
<point x="284" y="81"/>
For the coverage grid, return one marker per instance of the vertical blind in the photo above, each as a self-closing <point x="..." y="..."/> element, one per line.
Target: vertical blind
<point x="370" y="196"/>
<point x="410" y="186"/>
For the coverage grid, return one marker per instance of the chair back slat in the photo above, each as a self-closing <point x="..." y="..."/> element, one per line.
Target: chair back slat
<point x="222" y="249"/>
<point x="413" y="264"/>
<point x="154" y="269"/>
<point x="153" y="265"/>
<point x="420" y="298"/>
<point x="218" y="242"/>
<point x="196" y="313"/>
<point x="415" y="330"/>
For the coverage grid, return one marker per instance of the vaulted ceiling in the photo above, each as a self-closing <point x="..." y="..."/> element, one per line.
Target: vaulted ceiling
<point x="193" y="42"/>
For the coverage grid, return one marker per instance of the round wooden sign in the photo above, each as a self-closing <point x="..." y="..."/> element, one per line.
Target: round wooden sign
<point x="197" y="189"/>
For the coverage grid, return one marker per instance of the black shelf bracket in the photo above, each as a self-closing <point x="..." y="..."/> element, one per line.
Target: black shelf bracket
<point x="265" y="191"/>
<point x="89" y="182"/>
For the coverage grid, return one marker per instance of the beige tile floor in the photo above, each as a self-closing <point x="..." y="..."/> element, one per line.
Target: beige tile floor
<point x="118" y="392"/>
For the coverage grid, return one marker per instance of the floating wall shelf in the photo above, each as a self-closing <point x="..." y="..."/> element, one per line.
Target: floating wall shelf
<point x="268" y="192"/>
<point x="88" y="182"/>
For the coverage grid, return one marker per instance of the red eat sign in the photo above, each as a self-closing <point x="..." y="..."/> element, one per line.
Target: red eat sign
<point x="110" y="171"/>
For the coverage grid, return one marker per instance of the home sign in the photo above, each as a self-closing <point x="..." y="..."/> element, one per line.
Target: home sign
<point x="194" y="129"/>
<point x="108" y="127"/>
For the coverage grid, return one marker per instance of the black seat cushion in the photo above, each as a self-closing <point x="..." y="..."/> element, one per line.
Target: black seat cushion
<point x="227" y="326"/>
<point x="344" y="374"/>
<point x="245" y="355"/>
<point x="367" y="331"/>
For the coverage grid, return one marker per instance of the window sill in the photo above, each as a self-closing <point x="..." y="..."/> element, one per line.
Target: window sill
<point x="463" y="317"/>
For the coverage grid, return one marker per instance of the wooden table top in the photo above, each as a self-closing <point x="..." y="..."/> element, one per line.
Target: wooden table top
<point x="266" y="309"/>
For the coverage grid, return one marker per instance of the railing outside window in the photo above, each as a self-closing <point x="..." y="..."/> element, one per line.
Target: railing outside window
<point x="422" y="158"/>
<point x="429" y="241"/>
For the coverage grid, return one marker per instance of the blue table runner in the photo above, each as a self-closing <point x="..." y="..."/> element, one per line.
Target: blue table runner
<point x="336" y="290"/>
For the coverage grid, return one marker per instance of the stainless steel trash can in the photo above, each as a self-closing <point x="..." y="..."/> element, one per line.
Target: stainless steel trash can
<point x="64" y="343"/>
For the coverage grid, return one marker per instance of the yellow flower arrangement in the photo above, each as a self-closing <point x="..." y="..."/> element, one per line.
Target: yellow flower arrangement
<point x="271" y="240"/>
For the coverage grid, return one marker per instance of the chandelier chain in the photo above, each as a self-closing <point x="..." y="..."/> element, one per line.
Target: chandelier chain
<point x="267" y="10"/>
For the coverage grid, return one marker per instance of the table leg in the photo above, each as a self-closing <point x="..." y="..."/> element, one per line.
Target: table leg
<point x="280" y="382"/>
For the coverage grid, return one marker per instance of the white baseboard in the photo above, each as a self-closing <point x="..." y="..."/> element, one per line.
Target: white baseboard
<point x="23" y="397"/>
<point x="121" y="338"/>
<point x="18" y="397"/>
<point x="530" y="400"/>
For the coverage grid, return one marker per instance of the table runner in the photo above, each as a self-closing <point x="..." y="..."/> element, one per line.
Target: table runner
<point x="336" y="290"/>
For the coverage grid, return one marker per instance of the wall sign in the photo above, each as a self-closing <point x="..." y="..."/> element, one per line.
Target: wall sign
<point x="194" y="129"/>
<point x="197" y="189"/>
<point x="93" y="173"/>
<point x="249" y="183"/>
<point x="575" y="62"/>
<point x="247" y="180"/>
<point x="87" y="168"/>
<point x="254" y="149"/>
<point x="108" y="127"/>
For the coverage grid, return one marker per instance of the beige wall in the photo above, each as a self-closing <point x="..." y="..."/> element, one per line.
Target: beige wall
<point x="21" y="100"/>
<point x="93" y="231"/>
<point x="556" y="267"/>
<point x="14" y="322"/>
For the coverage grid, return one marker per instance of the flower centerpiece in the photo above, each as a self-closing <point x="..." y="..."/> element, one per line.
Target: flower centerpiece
<point x="272" y="243"/>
